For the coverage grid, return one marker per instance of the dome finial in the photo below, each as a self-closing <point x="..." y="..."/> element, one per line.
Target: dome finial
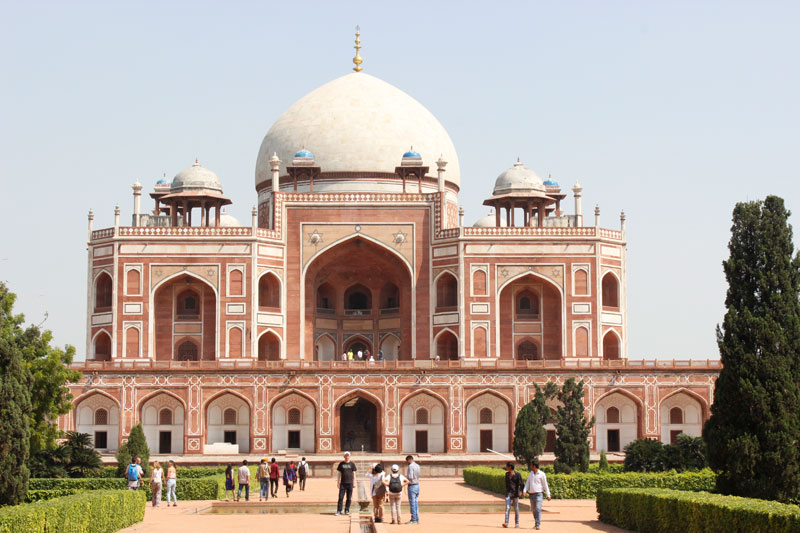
<point x="357" y="60"/>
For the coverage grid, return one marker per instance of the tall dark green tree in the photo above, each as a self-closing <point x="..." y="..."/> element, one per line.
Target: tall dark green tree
<point x="753" y="434"/>
<point x="572" y="429"/>
<point x="136" y="446"/>
<point x="15" y="407"/>
<point x="530" y="436"/>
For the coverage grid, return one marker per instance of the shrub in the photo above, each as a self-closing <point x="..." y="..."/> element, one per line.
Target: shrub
<point x="187" y="488"/>
<point x="644" y="455"/>
<point x="657" y="510"/>
<point x="41" y="495"/>
<point x="585" y="486"/>
<point x="91" y="512"/>
<point x="647" y="455"/>
<point x="603" y="461"/>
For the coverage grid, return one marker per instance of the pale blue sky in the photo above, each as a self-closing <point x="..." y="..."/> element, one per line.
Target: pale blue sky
<point x="672" y="111"/>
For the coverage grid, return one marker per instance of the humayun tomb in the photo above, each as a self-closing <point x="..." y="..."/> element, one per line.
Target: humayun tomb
<point x="228" y="338"/>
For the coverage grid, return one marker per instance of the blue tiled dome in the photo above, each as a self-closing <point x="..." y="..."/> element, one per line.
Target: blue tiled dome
<point x="412" y="153"/>
<point x="304" y="153"/>
<point x="551" y="182"/>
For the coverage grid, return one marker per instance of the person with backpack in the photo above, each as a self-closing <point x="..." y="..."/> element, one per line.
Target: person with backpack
<point x="302" y="473"/>
<point x="229" y="486"/>
<point x="395" y="482"/>
<point x="263" y="479"/>
<point x="134" y="474"/>
<point x="514" y="487"/>
<point x="274" y="475"/>
<point x="378" y="492"/>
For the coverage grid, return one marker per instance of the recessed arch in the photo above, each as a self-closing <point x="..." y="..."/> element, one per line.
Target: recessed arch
<point x="614" y="436"/>
<point x="356" y="343"/>
<point x="97" y="414"/>
<point x="356" y="236"/>
<point x="102" y="346"/>
<point x="163" y="437"/>
<point x="289" y="433"/>
<point x="103" y="292"/>
<point x="325" y="348"/>
<point x="353" y="430"/>
<point x="528" y="349"/>
<point x="270" y="346"/>
<point x="694" y="413"/>
<point x="612" y="345"/>
<point x="446" y="344"/>
<point x="358" y="298"/>
<point x="221" y="432"/>
<point x="270" y="290"/>
<point x="483" y="435"/>
<point x="446" y="290"/>
<point x="423" y="422"/>
<point x="610" y="285"/>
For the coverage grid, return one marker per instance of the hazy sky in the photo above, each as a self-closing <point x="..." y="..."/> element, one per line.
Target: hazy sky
<point x="672" y="111"/>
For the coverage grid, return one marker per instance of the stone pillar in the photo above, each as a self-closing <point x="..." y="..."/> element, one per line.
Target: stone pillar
<point x="254" y="214"/>
<point x="137" y="202"/>
<point x="597" y="216"/>
<point x="440" y="164"/>
<point x="116" y="218"/>
<point x="203" y="219"/>
<point x="461" y="217"/>
<point x="576" y="191"/>
<point x="622" y="222"/>
<point x="91" y="223"/>
<point x="497" y="217"/>
<point x="275" y="167"/>
<point x="541" y="210"/>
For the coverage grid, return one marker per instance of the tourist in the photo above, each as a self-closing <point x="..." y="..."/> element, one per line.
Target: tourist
<point x="302" y="473"/>
<point x="274" y="475"/>
<point x="344" y="356"/>
<point x="134" y="473"/>
<point x="172" y="482"/>
<point x="349" y="355"/>
<point x="229" y="486"/>
<point x="289" y="477"/>
<point x="360" y="355"/>
<point x="413" y="489"/>
<point x="263" y="479"/>
<point x="367" y="354"/>
<point x="346" y="477"/>
<point x="378" y="490"/>
<point x="371" y="359"/>
<point x="244" y="482"/>
<point x="436" y="358"/>
<point x="156" y="477"/>
<point x="535" y="487"/>
<point x="513" y="492"/>
<point x="395" y="483"/>
<point x="380" y="355"/>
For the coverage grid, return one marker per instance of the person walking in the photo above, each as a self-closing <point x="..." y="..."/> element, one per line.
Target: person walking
<point x="244" y="482"/>
<point x="413" y="489"/>
<point x="263" y="479"/>
<point x="302" y="473"/>
<point x="229" y="486"/>
<point x="378" y="491"/>
<point x="289" y="477"/>
<point x="274" y="475"/>
<point x="156" y="480"/>
<point x="346" y="478"/>
<point x="395" y="482"/>
<point x="536" y="486"/>
<point x="513" y="492"/>
<point x="134" y="474"/>
<point x="172" y="483"/>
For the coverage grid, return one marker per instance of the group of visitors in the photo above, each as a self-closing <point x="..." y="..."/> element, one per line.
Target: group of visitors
<point x="383" y="486"/>
<point x="269" y="477"/>
<point x="135" y="475"/>
<point x="536" y="488"/>
<point x="361" y="356"/>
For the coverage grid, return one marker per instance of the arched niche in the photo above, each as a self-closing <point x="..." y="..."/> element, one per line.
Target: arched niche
<point x="423" y="424"/>
<point x="228" y="422"/>
<point x="485" y="433"/>
<point x="163" y="438"/>
<point x="293" y="424"/>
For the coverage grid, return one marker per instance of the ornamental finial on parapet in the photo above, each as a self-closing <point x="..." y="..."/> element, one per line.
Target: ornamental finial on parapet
<point x="357" y="60"/>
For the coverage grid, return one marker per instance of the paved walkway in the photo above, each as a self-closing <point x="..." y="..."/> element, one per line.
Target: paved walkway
<point x="559" y="515"/>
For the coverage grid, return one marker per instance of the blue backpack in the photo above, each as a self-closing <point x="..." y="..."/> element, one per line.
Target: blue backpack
<point x="133" y="473"/>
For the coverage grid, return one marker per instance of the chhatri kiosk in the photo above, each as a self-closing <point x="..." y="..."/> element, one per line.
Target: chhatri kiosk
<point x="227" y="337"/>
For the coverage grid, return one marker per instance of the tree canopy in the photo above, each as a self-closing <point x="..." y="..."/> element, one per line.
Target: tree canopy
<point x="530" y="436"/>
<point x="572" y="429"/>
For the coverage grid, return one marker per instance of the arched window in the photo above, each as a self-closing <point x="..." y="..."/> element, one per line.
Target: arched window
<point x="236" y="283"/>
<point x="294" y="416"/>
<point x="527" y="305"/>
<point x="103" y="293"/>
<point x="676" y="415"/>
<point x="485" y="416"/>
<point x="447" y="346"/>
<point x="610" y="291"/>
<point x="165" y="417"/>
<point x="422" y="416"/>
<point x="612" y="415"/>
<point x="610" y="346"/>
<point x="581" y="278"/>
<point x="446" y="291"/>
<point x="101" y="417"/>
<point x="187" y="351"/>
<point x="134" y="282"/>
<point x="527" y="351"/>
<point x="358" y="299"/>
<point x="326" y="298"/>
<point x="479" y="282"/>
<point x="229" y="417"/>
<point x="102" y="347"/>
<point x="269" y="347"/>
<point x="188" y="306"/>
<point x="269" y="291"/>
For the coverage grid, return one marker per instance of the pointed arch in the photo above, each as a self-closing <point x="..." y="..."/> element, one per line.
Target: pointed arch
<point x="270" y="290"/>
<point x="611" y="286"/>
<point x="372" y="429"/>
<point x="447" y="345"/>
<point x="483" y="435"/>
<point x="612" y="345"/>
<point x="270" y="346"/>
<point x="355" y="236"/>
<point x="704" y="407"/>
<point x="446" y="290"/>
<point x="325" y="348"/>
<point x="102" y="345"/>
<point x="103" y="291"/>
<point x="423" y="434"/>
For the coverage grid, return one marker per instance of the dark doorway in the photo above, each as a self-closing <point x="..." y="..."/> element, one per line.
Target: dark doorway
<point x="550" y="444"/>
<point x="673" y="436"/>
<point x="422" y="442"/>
<point x="613" y="440"/>
<point x="229" y="437"/>
<point x="358" y="425"/>
<point x="294" y="439"/>
<point x="100" y="439"/>
<point x="165" y="442"/>
<point x="486" y="440"/>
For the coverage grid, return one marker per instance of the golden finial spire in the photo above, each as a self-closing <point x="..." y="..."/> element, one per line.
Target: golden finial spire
<point x="357" y="60"/>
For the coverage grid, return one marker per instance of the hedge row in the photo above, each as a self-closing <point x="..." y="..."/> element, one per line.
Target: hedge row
<point x="187" y="472"/>
<point x="662" y="510"/>
<point x="41" y="495"/>
<point x="186" y="489"/>
<point x="582" y="486"/>
<point x="89" y="512"/>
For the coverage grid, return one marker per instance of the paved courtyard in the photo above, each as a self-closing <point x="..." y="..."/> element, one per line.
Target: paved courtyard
<point x="559" y="515"/>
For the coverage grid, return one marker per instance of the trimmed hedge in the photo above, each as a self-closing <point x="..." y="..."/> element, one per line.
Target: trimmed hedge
<point x="186" y="472"/>
<point x="89" y="512"/>
<point x="580" y="486"/>
<point x="42" y="495"/>
<point x="187" y="489"/>
<point x="662" y="510"/>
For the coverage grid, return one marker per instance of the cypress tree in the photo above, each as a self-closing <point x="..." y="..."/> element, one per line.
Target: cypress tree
<point x="572" y="428"/>
<point x="15" y="407"/>
<point x="530" y="436"/>
<point x="753" y="434"/>
<point x="136" y="446"/>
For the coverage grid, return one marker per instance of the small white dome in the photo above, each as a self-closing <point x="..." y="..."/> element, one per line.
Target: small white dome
<point x="518" y="178"/>
<point x="228" y="221"/>
<point x="489" y="221"/>
<point x="195" y="177"/>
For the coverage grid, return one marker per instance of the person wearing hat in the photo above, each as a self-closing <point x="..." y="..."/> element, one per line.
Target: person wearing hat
<point x="395" y="483"/>
<point x="346" y="479"/>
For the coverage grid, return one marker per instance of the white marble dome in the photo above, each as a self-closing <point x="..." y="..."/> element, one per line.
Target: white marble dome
<point x="518" y="178"/>
<point x="227" y="220"/>
<point x="489" y="221"/>
<point x="195" y="178"/>
<point x="357" y="123"/>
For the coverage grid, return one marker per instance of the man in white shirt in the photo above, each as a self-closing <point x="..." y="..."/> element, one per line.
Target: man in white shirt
<point x="536" y="486"/>
<point x="244" y="482"/>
